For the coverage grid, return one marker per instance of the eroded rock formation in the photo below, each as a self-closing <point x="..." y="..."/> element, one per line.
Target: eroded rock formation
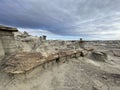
<point x="7" y="41"/>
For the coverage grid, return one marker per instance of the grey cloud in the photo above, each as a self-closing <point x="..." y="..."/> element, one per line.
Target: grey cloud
<point x="63" y="17"/>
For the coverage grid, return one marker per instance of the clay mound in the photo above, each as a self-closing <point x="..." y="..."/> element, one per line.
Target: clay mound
<point x="116" y="53"/>
<point x="99" y="56"/>
<point x="22" y="62"/>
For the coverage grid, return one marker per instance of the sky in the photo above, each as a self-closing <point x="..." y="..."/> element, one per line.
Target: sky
<point x="64" y="19"/>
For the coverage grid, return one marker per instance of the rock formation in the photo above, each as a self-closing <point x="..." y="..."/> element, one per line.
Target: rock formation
<point x="40" y="64"/>
<point x="7" y="41"/>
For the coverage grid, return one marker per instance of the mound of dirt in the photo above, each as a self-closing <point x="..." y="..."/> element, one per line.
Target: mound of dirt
<point x="99" y="56"/>
<point x="116" y="53"/>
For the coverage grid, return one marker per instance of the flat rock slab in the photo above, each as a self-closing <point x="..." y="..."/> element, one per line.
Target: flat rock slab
<point x="22" y="62"/>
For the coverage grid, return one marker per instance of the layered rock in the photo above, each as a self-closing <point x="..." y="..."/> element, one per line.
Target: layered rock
<point x="2" y="52"/>
<point x="7" y="39"/>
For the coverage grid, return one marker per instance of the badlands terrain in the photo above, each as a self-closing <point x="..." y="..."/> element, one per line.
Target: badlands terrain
<point x="41" y="64"/>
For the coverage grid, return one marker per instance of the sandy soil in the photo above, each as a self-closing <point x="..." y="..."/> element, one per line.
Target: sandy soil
<point x="77" y="74"/>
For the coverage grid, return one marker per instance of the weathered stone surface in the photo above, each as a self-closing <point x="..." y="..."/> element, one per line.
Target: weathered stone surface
<point x="22" y="62"/>
<point x="116" y="53"/>
<point x="63" y="59"/>
<point x="5" y="33"/>
<point x="52" y="56"/>
<point x="7" y="40"/>
<point x="2" y="53"/>
<point x="9" y="46"/>
<point x="99" y="56"/>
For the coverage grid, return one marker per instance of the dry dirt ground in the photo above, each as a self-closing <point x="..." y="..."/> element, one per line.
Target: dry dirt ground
<point x="75" y="74"/>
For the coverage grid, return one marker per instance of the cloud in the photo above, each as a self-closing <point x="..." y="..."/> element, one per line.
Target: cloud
<point x="71" y="18"/>
<point x="50" y="35"/>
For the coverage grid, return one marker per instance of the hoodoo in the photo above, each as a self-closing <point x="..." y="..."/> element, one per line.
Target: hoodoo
<point x="7" y="42"/>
